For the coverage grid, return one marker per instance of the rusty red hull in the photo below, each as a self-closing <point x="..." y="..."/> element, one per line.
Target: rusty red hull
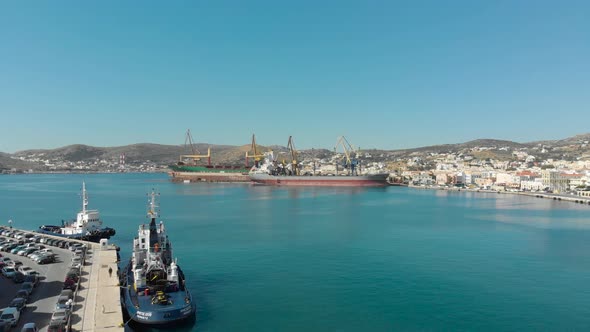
<point x="374" y="180"/>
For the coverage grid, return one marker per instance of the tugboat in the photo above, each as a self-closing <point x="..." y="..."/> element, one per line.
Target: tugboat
<point x="153" y="288"/>
<point x="87" y="226"/>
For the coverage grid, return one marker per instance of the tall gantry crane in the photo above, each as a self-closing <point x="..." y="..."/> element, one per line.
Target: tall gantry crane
<point x="294" y="156"/>
<point x="350" y="161"/>
<point x="195" y="154"/>
<point x="256" y="155"/>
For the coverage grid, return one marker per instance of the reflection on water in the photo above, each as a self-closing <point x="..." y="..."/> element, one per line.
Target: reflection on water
<point x="263" y="258"/>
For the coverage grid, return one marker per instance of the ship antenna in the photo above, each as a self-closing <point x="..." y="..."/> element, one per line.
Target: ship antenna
<point x="84" y="198"/>
<point x="153" y="211"/>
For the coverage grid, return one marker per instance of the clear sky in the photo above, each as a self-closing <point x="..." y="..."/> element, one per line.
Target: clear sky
<point x="387" y="74"/>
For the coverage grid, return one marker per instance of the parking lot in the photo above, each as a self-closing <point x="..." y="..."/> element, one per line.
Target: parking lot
<point x="41" y="303"/>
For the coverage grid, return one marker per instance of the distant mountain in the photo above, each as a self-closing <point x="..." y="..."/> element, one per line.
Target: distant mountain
<point x="568" y="148"/>
<point x="137" y="153"/>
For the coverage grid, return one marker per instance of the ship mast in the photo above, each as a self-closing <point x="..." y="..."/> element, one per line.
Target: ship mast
<point x="153" y="212"/>
<point x="84" y="198"/>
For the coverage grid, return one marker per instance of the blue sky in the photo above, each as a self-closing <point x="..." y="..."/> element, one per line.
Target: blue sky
<point x="387" y="74"/>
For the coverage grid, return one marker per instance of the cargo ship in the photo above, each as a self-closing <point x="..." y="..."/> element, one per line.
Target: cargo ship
<point x="153" y="286"/>
<point x="189" y="168"/>
<point x="275" y="173"/>
<point x="87" y="226"/>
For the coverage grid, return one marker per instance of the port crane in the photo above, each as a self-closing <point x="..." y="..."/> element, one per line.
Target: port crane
<point x="256" y="155"/>
<point x="294" y="156"/>
<point x="195" y="154"/>
<point x="350" y="162"/>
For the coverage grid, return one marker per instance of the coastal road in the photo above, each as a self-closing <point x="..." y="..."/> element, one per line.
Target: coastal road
<point x="42" y="302"/>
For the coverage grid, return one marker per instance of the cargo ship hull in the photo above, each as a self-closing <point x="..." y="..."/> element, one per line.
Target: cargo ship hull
<point x="210" y="169"/>
<point x="186" y="173"/>
<point x="373" y="180"/>
<point x="187" y="177"/>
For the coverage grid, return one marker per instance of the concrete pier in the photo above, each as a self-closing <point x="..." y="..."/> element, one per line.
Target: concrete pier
<point x="100" y="306"/>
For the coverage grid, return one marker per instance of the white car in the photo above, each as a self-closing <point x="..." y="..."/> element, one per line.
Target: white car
<point x="29" y="327"/>
<point x="26" y="270"/>
<point x="10" y="316"/>
<point x="33" y="254"/>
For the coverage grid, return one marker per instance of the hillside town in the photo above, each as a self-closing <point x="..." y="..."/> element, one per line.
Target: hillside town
<point x="561" y="167"/>
<point x="48" y="164"/>
<point x="523" y="172"/>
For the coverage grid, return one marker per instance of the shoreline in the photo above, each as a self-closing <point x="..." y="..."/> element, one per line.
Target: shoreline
<point x="555" y="197"/>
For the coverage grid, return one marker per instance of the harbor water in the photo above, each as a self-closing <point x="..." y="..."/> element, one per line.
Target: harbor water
<point x="262" y="258"/>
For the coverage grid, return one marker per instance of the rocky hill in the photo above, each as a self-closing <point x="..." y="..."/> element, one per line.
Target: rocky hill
<point x="572" y="148"/>
<point x="9" y="162"/>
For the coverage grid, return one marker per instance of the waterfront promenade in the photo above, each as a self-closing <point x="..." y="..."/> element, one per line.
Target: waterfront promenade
<point x="97" y="301"/>
<point x="555" y="197"/>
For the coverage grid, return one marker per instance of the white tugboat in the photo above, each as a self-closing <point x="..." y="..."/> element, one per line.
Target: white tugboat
<point x="154" y="290"/>
<point x="87" y="225"/>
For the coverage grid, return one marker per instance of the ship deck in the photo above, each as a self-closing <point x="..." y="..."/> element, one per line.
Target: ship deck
<point x="141" y="309"/>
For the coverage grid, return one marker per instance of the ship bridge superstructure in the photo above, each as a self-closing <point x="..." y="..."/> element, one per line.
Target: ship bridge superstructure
<point x="152" y="262"/>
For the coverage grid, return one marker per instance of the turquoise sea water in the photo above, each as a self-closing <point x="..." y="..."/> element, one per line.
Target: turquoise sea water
<point x="323" y="259"/>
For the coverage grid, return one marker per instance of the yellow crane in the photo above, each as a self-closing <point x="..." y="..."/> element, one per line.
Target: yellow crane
<point x="194" y="156"/>
<point x="294" y="156"/>
<point x="257" y="156"/>
<point x="350" y="161"/>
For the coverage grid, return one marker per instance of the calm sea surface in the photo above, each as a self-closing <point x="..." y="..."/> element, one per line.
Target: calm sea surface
<point x="321" y="259"/>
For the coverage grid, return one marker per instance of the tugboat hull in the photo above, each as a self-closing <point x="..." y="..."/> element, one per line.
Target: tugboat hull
<point x="140" y="309"/>
<point x="160" y="318"/>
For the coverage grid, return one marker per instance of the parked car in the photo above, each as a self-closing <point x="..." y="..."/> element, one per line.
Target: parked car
<point x="32" y="278"/>
<point x="11" y="246"/>
<point x="29" y="327"/>
<point x="15" y="264"/>
<point x="60" y="316"/>
<point x="18" y="277"/>
<point x="75" y="246"/>
<point x="76" y="262"/>
<point x="8" y="271"/>
<point x="46" y="259"/>
<point x="63" y="302"/>
<point x="10" y="315"/>
<point x="22" y="293"/>
<point x="29" y="251"/>
<point x="17" y="249"/>
<point x="18" y="303"/>
<point x="34" y="254"/>
<point x="56" y="327"/>
<point x="70" y="284"/>
<point x="26" y="270"/>
<point x="27" y="286"/>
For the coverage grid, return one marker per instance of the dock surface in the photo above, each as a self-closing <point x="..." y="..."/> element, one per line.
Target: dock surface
<point x="99" y="303"/>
